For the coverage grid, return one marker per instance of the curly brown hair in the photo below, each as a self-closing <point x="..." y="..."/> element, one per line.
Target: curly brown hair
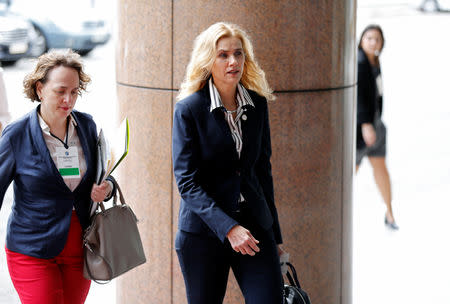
<point x="46" y="63"/>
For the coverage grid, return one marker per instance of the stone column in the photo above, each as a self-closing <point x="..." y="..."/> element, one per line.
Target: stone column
<point x="307" y="50"/>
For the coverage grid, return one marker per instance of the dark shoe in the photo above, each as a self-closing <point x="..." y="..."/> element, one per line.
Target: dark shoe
<point x="392" y="226"/>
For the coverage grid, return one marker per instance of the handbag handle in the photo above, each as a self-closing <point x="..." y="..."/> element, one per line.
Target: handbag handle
<point x="293" y="280"/>
<point x="121" y="197"/>
<point x="89" y="270"/>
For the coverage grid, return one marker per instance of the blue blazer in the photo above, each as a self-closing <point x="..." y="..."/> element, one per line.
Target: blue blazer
<point x="40" y="219"/>
<point x="209" y="173"/>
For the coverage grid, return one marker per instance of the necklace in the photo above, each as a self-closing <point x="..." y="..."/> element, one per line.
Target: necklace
<point x="231" y="112"/>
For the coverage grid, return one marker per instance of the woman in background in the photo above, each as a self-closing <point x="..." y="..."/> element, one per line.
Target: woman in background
<point x="371" y="131"/>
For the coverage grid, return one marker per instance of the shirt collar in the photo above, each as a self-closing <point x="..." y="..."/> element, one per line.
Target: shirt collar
<point x="46" y="129"/>
<point x="243" y="97"/>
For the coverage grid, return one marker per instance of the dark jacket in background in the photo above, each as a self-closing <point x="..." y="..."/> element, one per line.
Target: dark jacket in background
<point x="367" y="102"/>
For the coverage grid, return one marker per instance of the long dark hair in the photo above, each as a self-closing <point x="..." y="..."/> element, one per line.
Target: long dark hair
<point x="368" y="28"/>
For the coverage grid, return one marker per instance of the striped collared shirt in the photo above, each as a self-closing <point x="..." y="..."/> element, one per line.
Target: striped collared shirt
<point x="72" y="140"/>
<point x="243" y="99"/>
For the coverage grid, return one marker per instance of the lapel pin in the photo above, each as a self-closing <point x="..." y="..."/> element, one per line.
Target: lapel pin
<point x="244" y="117"/>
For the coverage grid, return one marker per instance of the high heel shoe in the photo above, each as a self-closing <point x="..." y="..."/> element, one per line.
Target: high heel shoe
<point x="392" y="226"/>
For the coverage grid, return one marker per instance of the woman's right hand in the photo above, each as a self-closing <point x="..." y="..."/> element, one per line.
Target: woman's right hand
<point x="368" y="134"/>
<point x="99" y="193"/>
<point x="242" y="240"/>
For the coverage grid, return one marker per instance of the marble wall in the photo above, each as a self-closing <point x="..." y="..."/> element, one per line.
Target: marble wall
<point x="307" y="49"/>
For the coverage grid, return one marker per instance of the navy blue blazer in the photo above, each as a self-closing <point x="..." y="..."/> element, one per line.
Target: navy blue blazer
<point x="209" y="173"/>
<point x="40" y="219"/>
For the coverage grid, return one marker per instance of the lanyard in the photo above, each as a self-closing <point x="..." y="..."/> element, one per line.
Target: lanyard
<point x="67" y="135"/>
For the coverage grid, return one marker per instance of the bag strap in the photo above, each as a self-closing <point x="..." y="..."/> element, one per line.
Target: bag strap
<point x="121" y="197"/>
<point x="101" y="205"/>
<point x="89" y="270"/>
<point x="293" y="279"/>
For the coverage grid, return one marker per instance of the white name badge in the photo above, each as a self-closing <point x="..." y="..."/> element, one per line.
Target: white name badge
<point x="67" y="160"/>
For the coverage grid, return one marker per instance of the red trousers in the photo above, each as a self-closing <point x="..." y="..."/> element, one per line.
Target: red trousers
<point x="51" y="281"/>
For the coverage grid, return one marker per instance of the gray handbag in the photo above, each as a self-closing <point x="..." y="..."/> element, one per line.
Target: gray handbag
<point x="112" y="244"/>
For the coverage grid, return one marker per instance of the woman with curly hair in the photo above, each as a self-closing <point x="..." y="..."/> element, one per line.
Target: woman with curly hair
<point x="50" y="155"/>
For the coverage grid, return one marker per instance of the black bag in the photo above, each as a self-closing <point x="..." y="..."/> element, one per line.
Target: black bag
<point x="293" y="293"/>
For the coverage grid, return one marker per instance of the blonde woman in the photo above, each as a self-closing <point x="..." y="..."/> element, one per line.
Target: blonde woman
<point x="221" y="159"/>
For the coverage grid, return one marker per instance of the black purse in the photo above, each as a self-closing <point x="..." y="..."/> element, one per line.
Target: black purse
<point x="293" y="293"/>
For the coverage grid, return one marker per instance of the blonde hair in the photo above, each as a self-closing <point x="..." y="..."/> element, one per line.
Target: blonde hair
<point x="46" y="63"/>
<point x="204" y="53"/>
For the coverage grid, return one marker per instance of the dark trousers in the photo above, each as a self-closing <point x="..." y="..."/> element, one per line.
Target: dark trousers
<point x="205" y="263"/>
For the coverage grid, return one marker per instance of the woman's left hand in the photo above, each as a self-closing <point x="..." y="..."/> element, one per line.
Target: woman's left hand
<point x="368" y="133"/>
<point x="99" y="193"/>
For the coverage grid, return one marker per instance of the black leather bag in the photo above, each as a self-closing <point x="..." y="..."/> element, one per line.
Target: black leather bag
<point x="112" y="244"/>
<point x="293" y="293"/>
